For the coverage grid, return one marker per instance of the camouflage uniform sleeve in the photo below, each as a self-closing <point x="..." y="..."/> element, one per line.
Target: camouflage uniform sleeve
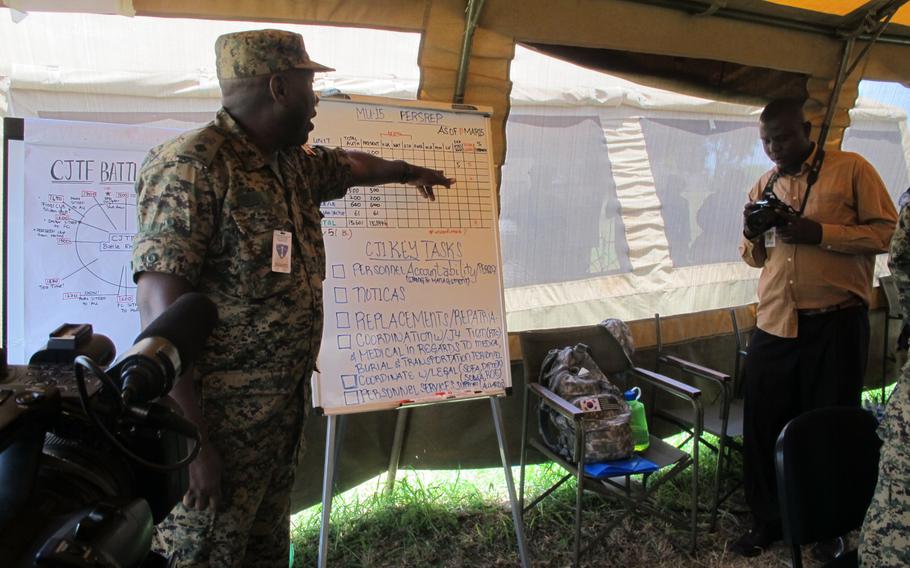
<point x="328" y="172"/>
<point x="176" y="219"/>
<point x="899" y="260"/>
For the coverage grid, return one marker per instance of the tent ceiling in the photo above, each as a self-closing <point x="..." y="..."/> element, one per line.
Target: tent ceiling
<point x="840" y="8"/>
<point x="723" y="79"/>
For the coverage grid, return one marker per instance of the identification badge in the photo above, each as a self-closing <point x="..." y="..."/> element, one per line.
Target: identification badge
<point x="771" y="237"/>
<point x="281" y="251"/>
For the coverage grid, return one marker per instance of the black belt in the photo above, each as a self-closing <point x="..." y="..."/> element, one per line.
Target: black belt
<point x="851" y="303"/>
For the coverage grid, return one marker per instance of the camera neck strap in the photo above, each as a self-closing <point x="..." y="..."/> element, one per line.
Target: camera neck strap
<point x="811" y="178"/>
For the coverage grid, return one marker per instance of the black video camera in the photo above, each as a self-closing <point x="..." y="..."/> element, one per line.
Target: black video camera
<point x="771" y="212"/>
<point x="92" y="458"/>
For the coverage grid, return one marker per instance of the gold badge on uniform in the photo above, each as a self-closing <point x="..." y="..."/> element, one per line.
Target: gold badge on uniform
<point x="281" y="251"/>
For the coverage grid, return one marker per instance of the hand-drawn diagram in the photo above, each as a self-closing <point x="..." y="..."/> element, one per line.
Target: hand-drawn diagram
<point x="106" y="229"/>
<point x="79" y="223"/>
<point x="86" y="232"/>
<point x="94" y="231"/>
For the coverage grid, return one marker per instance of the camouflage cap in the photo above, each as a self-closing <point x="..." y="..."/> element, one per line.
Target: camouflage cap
<point x="261" y="52"/>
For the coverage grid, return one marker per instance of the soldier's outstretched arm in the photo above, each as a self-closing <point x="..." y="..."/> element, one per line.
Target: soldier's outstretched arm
<point x="367" y="169"/>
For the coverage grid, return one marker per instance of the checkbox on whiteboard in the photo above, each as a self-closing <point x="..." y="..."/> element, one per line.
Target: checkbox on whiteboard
<point x="344" y="342"/>
<point x="351" y="398"/>
<point x="349" y="381"/>
<point x="337" y="271"/>
<point x="343" y="320"/>
<point x="341" y="295"/>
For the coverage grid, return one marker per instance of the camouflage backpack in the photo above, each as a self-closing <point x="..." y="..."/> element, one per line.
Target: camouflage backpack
<point x="572" y="374"/>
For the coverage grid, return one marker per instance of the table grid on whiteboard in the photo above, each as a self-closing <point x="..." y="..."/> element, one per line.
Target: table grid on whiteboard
<point x="467" y="204"/>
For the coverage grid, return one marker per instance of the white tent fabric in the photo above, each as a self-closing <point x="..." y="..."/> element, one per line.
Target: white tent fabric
<point x="122" y="7"/>
<point x="101" y="63"/>
<point x="616" y="199"/>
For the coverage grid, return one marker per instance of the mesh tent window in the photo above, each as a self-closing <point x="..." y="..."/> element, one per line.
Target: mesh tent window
<point x="560" y="222"/>
<point x="703" y="169"/>
<point x="878" y="134"/>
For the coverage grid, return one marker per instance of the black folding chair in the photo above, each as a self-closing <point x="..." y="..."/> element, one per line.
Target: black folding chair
<point x="827" y="468"/>
<point x="722" y="415"/>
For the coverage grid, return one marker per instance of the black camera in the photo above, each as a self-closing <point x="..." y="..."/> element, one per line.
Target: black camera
<point x="771" y="212"/>
<point x="92" y="458"/>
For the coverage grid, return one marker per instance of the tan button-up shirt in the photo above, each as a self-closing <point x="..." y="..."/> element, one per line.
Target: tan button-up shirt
<point x="857" y="216"/>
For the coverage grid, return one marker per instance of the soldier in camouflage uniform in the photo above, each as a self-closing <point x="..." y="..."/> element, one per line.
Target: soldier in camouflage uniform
<point x="885" y="537"/>
<point x="232" y="210"/>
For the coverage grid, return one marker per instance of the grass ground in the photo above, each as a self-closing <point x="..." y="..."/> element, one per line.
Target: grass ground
<point x="463" y="519"/>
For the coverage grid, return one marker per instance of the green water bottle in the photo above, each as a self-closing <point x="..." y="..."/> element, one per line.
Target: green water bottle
<point x="638" y="422"/>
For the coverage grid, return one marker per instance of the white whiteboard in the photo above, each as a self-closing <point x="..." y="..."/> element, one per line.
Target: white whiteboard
<point x="414" y="309"/>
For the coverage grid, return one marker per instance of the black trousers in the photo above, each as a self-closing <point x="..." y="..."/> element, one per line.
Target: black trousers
<point x="784" y="377"/>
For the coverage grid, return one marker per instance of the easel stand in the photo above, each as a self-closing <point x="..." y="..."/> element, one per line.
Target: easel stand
<point x="328" y="480"/>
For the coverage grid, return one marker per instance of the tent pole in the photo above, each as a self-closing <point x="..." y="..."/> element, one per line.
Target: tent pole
<point x="835" y="92"/>
<point x="874" y="21"/>
<point x="472" y="14"/>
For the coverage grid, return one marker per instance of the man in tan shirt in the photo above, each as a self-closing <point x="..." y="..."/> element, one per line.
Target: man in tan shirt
<point x="829" y="215"/>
